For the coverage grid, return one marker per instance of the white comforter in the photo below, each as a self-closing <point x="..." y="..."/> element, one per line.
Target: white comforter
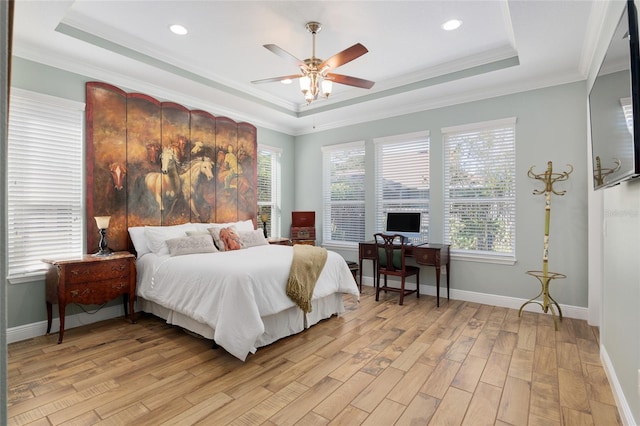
<point x="231" y="291"/>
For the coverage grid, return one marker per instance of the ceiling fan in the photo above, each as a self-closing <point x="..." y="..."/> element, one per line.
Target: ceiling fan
<point x="314" y="76"/>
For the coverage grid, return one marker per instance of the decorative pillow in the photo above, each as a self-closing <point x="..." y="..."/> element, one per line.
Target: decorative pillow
<point x="157" y="235"/>
<point x="139" y="240"/>
<point x="230" y="239"/>
<point x="214" y="231"/>
<point x="226" y="238"/>
<point x="252" y="238"/>
<point x="191" y="245"/>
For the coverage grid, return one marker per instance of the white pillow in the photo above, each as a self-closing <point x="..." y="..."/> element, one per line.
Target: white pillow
<point x="198" y="232"/>
<point x="191" y="245"/>
<point x="252" y="238"/>
<point x="158" y="235"/>
<point x="244" y="225"/>
<point x="139" y="240"/>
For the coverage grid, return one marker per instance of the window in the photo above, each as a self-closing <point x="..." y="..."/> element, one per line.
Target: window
<point x="343" y="193"/>
<point x="402" y="179"/>
<point x="45" y="181"/>
<point x="480" y="185"/>
<point x="269" y="188"/>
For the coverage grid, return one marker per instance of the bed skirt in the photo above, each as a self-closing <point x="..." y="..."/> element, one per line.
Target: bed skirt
<point x="277" y="326"/>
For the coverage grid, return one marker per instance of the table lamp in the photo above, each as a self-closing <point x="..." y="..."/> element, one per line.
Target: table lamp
<point x="264" y="217"/>
<point x="103" y="224"/>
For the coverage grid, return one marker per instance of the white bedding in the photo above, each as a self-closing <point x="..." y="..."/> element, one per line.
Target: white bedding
<point x="231" y="291"/>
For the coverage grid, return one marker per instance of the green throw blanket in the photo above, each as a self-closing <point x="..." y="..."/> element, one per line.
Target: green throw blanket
<point x="307" y="264"/>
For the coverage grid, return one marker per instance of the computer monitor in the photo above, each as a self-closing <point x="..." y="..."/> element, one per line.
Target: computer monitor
<point x="404" y="223"/>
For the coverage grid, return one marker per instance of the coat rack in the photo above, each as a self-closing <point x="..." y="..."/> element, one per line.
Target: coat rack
<point x="549" y="178"/>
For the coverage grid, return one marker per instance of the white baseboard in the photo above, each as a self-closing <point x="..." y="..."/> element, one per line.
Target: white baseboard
<point x="29" y="331"/>
<point x="623" y="407"/>
<point x="568" y="311"/>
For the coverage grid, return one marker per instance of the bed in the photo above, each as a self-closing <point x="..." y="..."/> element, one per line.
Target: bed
<point x="237" y="297"/>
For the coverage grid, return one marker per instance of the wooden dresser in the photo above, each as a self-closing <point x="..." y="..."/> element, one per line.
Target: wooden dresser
<point x="90" y="280"/>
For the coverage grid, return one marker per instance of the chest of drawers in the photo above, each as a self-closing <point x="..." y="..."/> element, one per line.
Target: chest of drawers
<point x="90" y="280"/>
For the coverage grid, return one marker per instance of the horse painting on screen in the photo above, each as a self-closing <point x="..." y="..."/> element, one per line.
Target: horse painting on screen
<point x="155" y="163"/>
<point x="200" y="167"/>
<point x="165" y="185"/>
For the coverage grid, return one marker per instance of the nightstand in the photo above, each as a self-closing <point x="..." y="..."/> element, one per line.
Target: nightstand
<point x="306" y="242"/>
<point x="280" y="241"/>
<point x="90" y="280"/>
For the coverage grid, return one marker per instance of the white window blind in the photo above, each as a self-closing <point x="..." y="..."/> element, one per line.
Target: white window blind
<point x="343" y="193"/>
<point x="269" y="188"/>
<point x="45" y="181"/>
<point x="627" y="109"/>
<point x="480" y="185"/>
<point x="402" y="179"/>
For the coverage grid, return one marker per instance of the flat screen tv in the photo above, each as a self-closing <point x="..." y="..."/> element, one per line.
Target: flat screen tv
<point x="614" y="103"/>
<point x="404" y="223"/>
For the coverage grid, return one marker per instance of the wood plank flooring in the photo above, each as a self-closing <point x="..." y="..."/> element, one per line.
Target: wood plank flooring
<point x="380" y="364"/>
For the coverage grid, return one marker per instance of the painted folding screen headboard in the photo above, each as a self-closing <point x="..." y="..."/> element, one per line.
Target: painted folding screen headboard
<point x="158" y="163"/>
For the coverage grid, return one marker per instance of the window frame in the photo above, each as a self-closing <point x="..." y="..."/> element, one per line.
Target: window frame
<point x="480" y="127"/>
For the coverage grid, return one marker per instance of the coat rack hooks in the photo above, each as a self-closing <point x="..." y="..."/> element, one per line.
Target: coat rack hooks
<point x="549" y="178"/>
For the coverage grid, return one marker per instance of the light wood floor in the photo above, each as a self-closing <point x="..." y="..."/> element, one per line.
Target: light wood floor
<point x="380" y="364"/>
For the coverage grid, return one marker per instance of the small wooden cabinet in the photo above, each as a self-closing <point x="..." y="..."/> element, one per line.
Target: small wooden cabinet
<point x="90" y="280"/>
<point x="303" y="228"/>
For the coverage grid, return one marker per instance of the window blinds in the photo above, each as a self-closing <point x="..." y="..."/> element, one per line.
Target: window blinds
<point x="269" y="187"/>
<point x="402" y="178"/>
<point x="479" y="181"/>
<point x="343" y="193"/>
<point x="45" y="189"/>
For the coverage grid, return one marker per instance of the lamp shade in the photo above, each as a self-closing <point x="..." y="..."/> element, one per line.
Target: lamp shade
<point x="305" y="83"/>
<point x="327" y="85"/>
<point x="102" y="221"/>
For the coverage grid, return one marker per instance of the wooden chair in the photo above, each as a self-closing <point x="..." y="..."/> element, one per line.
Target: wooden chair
<point x="391" y="261"/>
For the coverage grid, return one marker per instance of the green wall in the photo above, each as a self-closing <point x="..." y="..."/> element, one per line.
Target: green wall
<point x="551" y="126"/>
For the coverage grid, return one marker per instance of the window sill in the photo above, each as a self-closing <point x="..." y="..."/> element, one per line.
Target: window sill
<point x="340" y="245"/>
<point x="483" y="258"/>
<point x="29" y="278"/>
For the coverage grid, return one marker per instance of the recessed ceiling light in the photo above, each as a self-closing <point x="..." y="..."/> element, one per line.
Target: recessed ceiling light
<point x="451" y="24"/>
<point x="178" y="29"/>
<point x="286" y="81"/>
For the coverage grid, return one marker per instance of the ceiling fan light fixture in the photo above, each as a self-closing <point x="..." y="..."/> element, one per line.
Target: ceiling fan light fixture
<point x="314" y="76"/>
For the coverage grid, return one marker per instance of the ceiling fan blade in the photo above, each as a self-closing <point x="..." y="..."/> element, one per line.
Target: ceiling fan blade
<point x="350" y="81"/>
<point x="271" y="80"/>
<point x="284" y="54"/>
<point x="347" y="55"/>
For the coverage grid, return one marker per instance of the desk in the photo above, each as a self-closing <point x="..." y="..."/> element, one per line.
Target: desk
<point x="425" y="254"/>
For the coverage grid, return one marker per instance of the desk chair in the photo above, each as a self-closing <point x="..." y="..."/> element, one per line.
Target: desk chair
<point x="391" y="261"/>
